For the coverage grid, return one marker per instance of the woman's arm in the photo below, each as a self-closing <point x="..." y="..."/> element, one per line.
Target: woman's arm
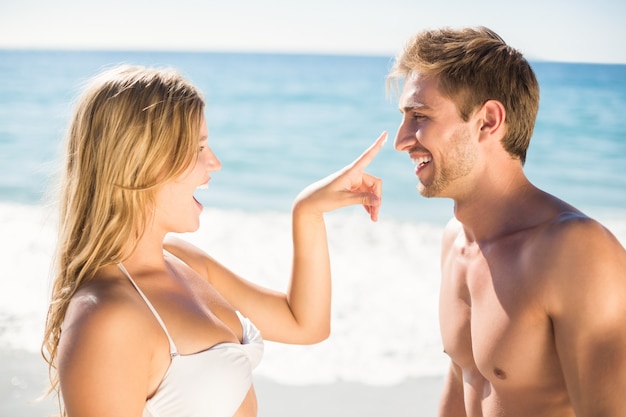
<point x="302" y="315"/>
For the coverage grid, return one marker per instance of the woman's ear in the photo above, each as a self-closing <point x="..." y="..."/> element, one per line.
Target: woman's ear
<point x="493" y="119"/>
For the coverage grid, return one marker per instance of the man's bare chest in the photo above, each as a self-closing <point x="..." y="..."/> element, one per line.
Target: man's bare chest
<point x="491" y="318"/>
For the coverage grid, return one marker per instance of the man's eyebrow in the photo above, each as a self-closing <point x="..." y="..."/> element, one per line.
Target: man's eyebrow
<point x="418" y="106"/>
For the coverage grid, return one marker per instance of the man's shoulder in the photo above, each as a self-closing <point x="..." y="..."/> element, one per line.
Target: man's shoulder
<point x="451" y="232"/>
<point x="572" y="229"/>
<point x="575" y="250"/>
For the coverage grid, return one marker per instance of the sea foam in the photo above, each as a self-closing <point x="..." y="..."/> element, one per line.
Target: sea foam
<point x="385" y="288"/>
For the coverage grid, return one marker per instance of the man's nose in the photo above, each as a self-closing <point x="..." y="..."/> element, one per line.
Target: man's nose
<point x="405" y="138"/>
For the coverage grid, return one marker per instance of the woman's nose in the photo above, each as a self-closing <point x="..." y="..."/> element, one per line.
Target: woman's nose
<point x="212" y="162"/>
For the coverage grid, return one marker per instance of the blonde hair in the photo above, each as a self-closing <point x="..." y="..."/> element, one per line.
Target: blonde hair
<point x="474" y="65"/>
<point x="133" y="129"/>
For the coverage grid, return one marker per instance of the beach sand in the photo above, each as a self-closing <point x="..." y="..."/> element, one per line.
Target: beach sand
<point x="412" y="398"/>
<point x="23" y="377"/>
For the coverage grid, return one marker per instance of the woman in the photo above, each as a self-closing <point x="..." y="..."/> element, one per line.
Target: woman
<point x="132" y="329"/>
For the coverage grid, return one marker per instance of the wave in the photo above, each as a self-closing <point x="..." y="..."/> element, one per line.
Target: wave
<point x="385" y="288"/>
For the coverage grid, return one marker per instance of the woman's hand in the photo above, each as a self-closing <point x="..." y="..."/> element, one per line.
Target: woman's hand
<point x="348" y="186"/>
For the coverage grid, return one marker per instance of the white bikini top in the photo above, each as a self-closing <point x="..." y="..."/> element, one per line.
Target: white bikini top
<point x="213" y="382"/>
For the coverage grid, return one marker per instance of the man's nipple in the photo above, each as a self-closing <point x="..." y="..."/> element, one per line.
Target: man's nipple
<point x="499" y="373"/>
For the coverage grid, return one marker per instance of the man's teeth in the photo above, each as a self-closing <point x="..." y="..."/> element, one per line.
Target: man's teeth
<point x="423" y="160"/>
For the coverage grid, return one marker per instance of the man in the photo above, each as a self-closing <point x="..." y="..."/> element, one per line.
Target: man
<point x="533" y="293"/>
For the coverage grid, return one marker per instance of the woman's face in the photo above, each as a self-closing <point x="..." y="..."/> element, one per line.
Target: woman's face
<point x="177" y="210"/>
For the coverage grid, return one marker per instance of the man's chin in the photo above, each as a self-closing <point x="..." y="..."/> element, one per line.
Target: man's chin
<point x="425" y="191"/>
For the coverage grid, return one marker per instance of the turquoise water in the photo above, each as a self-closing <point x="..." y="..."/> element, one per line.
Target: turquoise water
<point x="278" y="122"/>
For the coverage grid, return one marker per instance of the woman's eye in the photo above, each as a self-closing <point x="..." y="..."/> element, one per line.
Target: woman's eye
<point x="201" y="148"/>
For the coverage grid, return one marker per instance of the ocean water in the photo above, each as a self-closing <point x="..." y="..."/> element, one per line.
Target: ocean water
<point x="279" y="122"/>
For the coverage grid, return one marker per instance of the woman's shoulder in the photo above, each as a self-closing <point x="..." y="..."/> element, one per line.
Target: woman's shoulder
<point x="106" y="346"/>
<point x="106" y="309"/>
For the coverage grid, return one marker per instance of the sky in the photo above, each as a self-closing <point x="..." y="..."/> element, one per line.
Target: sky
<point x="553" y="30"/>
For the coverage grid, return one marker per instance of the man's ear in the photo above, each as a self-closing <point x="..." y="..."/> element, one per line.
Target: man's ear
<point x="493" y="118"/>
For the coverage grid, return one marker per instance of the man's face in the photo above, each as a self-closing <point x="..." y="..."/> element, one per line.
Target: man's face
<point x="435" y="136"/>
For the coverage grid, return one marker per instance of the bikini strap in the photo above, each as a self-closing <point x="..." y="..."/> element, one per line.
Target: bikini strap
<point x="173" y="350"/>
